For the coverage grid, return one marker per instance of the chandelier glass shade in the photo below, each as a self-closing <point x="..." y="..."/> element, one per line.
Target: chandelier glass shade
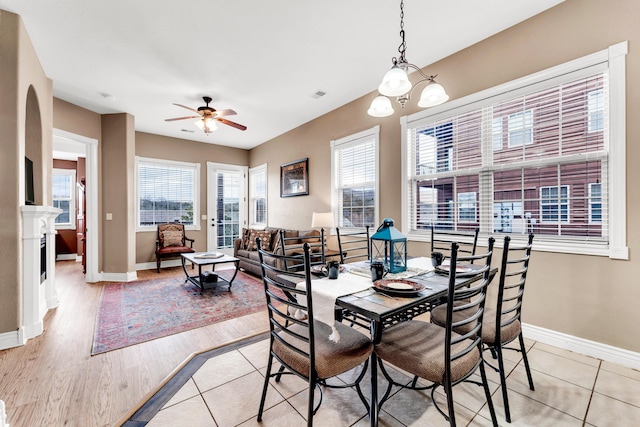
<point x="396" y="83"/>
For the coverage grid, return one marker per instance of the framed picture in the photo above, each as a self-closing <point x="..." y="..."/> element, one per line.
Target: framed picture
<point x="294" y="178"/>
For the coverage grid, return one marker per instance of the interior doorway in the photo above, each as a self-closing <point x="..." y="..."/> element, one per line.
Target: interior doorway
<point x="64" y="141"/>
<point x="226" y="205"/>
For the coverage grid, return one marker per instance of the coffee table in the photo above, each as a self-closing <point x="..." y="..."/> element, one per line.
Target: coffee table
<point x="198" y="280"/>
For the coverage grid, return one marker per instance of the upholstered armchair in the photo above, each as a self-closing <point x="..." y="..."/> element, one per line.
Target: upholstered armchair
<point x="171" y="242"/>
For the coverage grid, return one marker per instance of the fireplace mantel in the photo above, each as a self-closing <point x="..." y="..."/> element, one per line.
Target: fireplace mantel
<point x="38" y="295"/>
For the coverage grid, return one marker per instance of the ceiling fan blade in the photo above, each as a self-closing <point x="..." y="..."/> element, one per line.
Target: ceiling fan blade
<point x="182" y="118"/>
<point x="230" y="123"/>
<point x="227" y="112"/>
<point x="188" y="108"/>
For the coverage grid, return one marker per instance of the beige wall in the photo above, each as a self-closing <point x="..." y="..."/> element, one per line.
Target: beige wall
<point x="25" y="103"/>
<point x="163" y="147"/>
<point x="585" y="296"/>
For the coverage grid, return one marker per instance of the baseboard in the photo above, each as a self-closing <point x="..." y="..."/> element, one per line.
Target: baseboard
<point x="10" y="340"/>
<point x="119" y="277"/>
<point x="598" y="350"/>
<point x="66" y="257"/>
<point x="153" y="265"/>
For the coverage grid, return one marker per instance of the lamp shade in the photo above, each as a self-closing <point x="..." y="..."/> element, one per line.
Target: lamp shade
<point x="432" y="95"/>
<point x="322" y="220"/>
<point x="380" y="107"/>
<point x="395" y="82"/>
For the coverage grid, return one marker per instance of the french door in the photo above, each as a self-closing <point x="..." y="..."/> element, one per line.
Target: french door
<point x="226" y="205"/>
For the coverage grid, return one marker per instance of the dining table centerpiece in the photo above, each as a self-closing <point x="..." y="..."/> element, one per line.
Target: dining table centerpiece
<point x="389" y="246"/>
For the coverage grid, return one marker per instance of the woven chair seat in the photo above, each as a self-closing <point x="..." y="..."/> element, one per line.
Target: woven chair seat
<point x="507" y="334"/>
<point x="331" y="358"/>
<point x="418" y="347"/>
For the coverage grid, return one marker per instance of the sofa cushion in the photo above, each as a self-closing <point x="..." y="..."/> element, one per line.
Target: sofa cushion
<point x="253" y="255"/>
<point x="312" y="234"/>
<point x="265" y="237"/>
<point x="172" y="238"/>
<point x="243" y="253"/>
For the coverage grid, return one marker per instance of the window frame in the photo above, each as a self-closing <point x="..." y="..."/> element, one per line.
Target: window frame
<point x="612" y="60"/>
<point x="71" y="225"/>
<point x="253" y="173"/>
<point x="346" y="142"/>
<point x="194" y="167"/>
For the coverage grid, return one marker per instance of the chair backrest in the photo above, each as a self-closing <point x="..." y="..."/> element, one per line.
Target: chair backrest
<point x="465" y="309"/>
<point x="285" y="326"/>
<point x="513" y="276"/>
<point x="355" y="244"/>
<point x="293" y="247"/>
<point x="467" y="241"/>
<point x="171" y="234"/>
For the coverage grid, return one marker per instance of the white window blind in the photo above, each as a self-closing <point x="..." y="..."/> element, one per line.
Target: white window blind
<point x="354" y="166"/>
<point x="168" y="191"/>
<point x="533" y="156"/>
<point x="258" y="196"/>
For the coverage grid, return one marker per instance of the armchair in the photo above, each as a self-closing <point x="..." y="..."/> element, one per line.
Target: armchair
<point x="171" y="242"/>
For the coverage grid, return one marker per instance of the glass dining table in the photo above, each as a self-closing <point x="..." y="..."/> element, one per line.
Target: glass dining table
<point x="375" y="307"/>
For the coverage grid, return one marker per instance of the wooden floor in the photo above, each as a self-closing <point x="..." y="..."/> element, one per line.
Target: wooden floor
<point x="53" y="380"/>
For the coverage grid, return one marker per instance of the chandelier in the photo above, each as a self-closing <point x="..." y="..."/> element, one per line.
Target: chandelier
<point x="396" y="83"/>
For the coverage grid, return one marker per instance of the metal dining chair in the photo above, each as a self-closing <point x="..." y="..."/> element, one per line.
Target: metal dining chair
<point x="467" y="240"/>
<point x="302" y="345"/>
<point x="439" y="354"/>
<point x="353" y="244"/>
<point x="502" y="325"/>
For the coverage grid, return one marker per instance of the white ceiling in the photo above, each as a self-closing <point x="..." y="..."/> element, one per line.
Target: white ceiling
<point x="264" y="59"/>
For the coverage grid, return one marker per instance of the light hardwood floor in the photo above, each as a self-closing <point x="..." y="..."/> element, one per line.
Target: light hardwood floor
<point x="54" y="381"/>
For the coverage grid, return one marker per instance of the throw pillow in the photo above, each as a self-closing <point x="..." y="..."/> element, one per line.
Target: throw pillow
<point x="172" y="238"/>
<point x="264" y="235"/>
<point x="245" y="238"/>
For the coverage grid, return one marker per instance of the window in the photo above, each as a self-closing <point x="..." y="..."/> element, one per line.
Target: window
<point x="533" y="155"/>
<point x="596" y="110"/>
<point x="64" y="197"/>
<point x="554" y="204"/>
<point x="467" y="207"/>
<point x="595" y="203"/>
<point x="354" y="176"/>
<point x="520" y="128"/>
<point x="168" y="191"/>
<point x="258" y="196"/>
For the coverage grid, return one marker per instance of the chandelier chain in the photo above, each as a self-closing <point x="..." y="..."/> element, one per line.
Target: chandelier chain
<point x="403" y="46"/>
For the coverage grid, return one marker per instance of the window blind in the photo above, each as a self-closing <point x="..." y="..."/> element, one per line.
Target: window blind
<point x="354" y="166"/>
<point x="536" y="162"/>
<point x="166" y="192"/>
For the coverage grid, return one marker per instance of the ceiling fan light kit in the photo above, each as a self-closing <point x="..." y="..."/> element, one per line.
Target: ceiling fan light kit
<point x="396" y="83"/>
<point x="208" y="116"/>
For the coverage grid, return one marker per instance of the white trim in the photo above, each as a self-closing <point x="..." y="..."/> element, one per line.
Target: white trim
<point x="12" y="339"/>
<point x="66" y="257"/>
<point x="252" y="172"/>
<point x="598" y="350"/>
<point x="196" y="190"/>
<point x="612" y="60"/>
<point x="617" y="152"/>
<point x="119" y="277"/>
<point x="91" y="262"/>
<point x="71" y="173"/>
<point x="353" y="140"/>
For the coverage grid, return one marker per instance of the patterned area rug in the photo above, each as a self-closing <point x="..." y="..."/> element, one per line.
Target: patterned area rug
<point x="134" y="312"/>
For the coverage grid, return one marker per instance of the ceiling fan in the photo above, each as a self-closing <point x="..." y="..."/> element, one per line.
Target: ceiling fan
<point x="208" y="116"/>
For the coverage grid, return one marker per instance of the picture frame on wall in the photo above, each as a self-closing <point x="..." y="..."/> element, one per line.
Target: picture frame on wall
<point x="294" y="178"/>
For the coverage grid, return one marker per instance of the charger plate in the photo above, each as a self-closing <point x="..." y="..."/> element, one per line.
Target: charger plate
<point x="460" y="268"/>
<point x="399" y="287"/>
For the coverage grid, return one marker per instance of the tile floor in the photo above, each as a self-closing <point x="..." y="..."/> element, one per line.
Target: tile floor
<point x="223" y="389"/>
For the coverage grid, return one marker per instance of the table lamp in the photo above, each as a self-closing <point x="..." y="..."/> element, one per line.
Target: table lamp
<point x="322" y="220"/>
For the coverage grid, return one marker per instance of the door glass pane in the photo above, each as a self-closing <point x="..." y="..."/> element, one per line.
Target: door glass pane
<point x="228" y="208"/>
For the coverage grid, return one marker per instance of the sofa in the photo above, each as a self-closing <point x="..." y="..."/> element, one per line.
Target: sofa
<point x="246" y="251"/>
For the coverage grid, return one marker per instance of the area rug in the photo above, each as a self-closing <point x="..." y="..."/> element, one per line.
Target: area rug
<point x="135" y="312"/>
